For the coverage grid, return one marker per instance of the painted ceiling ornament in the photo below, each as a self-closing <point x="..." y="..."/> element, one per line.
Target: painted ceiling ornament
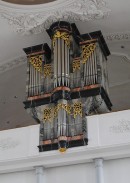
<point x="118" y="36"/>
<point x="37" y="18"/>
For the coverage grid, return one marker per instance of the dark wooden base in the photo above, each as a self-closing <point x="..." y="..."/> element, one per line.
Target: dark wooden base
<point x="49" y="145"/>
<point x="87" y="91"/>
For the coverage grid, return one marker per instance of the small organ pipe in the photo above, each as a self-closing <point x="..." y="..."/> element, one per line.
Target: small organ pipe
<point x="85" y="73"/>
<point x="55" y="64"/>
<point x="92" y="68"/>
<point x="68" y="64"/>
<point x="39" y="83"/>
<point x="88" y="71"/>
<point x="59" y="63"/>
<point x="63" y="64"/>
<point x="95" y="65"/>
<point x="32" y="80"/>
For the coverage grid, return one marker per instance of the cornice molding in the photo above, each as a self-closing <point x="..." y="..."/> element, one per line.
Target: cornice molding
<point x="118" y="36"/>
<point x="84" y="154"/>
<point x="12" y="64"/>
<point x="35" y="19"/>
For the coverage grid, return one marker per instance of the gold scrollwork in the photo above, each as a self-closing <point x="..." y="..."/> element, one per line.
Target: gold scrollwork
<point x="36" y="61"/>
<point x="87" y="50"/>
<point x="66" y="107"/>
<point x="76" y="65"/>
<point x="47" y="114"/>
<point x="47" y="70"/>
<point x="63" y="35"/>
<point x="77" y="109"/>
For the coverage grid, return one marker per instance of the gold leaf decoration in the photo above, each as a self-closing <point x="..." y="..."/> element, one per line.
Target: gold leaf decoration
<point x="36" y="61"/>
<point x="77" y="109"/>
<point x="87" y="50"/>
<point x="63" y="35"/>
<point x="66" y="107"/>
<point x="47" y="114"/>
<point x="47" y="70"/>
<point x="76" y="65"/>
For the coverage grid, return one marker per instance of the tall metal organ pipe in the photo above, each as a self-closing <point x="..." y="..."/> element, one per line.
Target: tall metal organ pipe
<point x="61" y="63"/>
<point x="61" y="55"/>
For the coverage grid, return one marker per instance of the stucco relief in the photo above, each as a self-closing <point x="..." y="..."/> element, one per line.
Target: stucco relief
<point x="12" y="64"/>
<point x="37" y="19"/>
<point x="118" y="36"/>
<point x="8" y="143"/>
<point x="123" y="126"/>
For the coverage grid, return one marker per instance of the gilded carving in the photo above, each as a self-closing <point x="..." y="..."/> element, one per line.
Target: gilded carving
<point x="47" y="70"/>
<point x="36" y="61"/>
<point x="77" y="109"/>
<point x="76" y="65"/>
<point x="62" y="35"/>
<point x="66" y="107"/>
<point x="87" y="50"/>
<point x="47" y="114"/>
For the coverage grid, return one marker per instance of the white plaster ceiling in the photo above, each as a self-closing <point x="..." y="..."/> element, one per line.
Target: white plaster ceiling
<point x="115" y="28"/>
<point x="28" y="2"/>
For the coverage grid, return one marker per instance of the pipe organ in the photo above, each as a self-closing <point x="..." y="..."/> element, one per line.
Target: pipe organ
<point x="65" y="83"/>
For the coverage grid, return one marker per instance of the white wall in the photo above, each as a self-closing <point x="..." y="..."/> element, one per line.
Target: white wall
<point x="117" y="171"/>
<point x="104" y="130"/>
<point x="18" y="177"/>
<point x="72" y="174"/>
<point x="109" y="129"/>
<point x="109" y="138"/>
<point x="19" y="143"/>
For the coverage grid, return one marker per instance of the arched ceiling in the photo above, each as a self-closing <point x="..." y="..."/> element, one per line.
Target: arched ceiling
<point x="28" y="2"/>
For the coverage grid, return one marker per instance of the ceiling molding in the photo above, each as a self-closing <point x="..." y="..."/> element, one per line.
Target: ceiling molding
<point x="119" y="83"/>
<point x="125" y="57"/>
<point x="35" y="19"/>
<point x="118" y="36"/>
<point x="12" y="64"/>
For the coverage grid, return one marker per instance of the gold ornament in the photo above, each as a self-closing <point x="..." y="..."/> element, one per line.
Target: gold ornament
<point x="47" y="70"/>
<point x="87" y="50"/>
<point x="63" y="35"/>
<point x="47" y="114"/>
<point x="77" y="109"/>
<point x="66" y="107"/>
<point x="36" y="61"/>
<point x="76" y="65"/>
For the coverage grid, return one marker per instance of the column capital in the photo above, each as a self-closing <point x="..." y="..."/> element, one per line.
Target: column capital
<point x="39" y="170"/>
<point x="98" y="162"/>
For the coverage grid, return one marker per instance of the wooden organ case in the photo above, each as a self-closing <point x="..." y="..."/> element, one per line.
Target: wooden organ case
<point x="65" y="84"/>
